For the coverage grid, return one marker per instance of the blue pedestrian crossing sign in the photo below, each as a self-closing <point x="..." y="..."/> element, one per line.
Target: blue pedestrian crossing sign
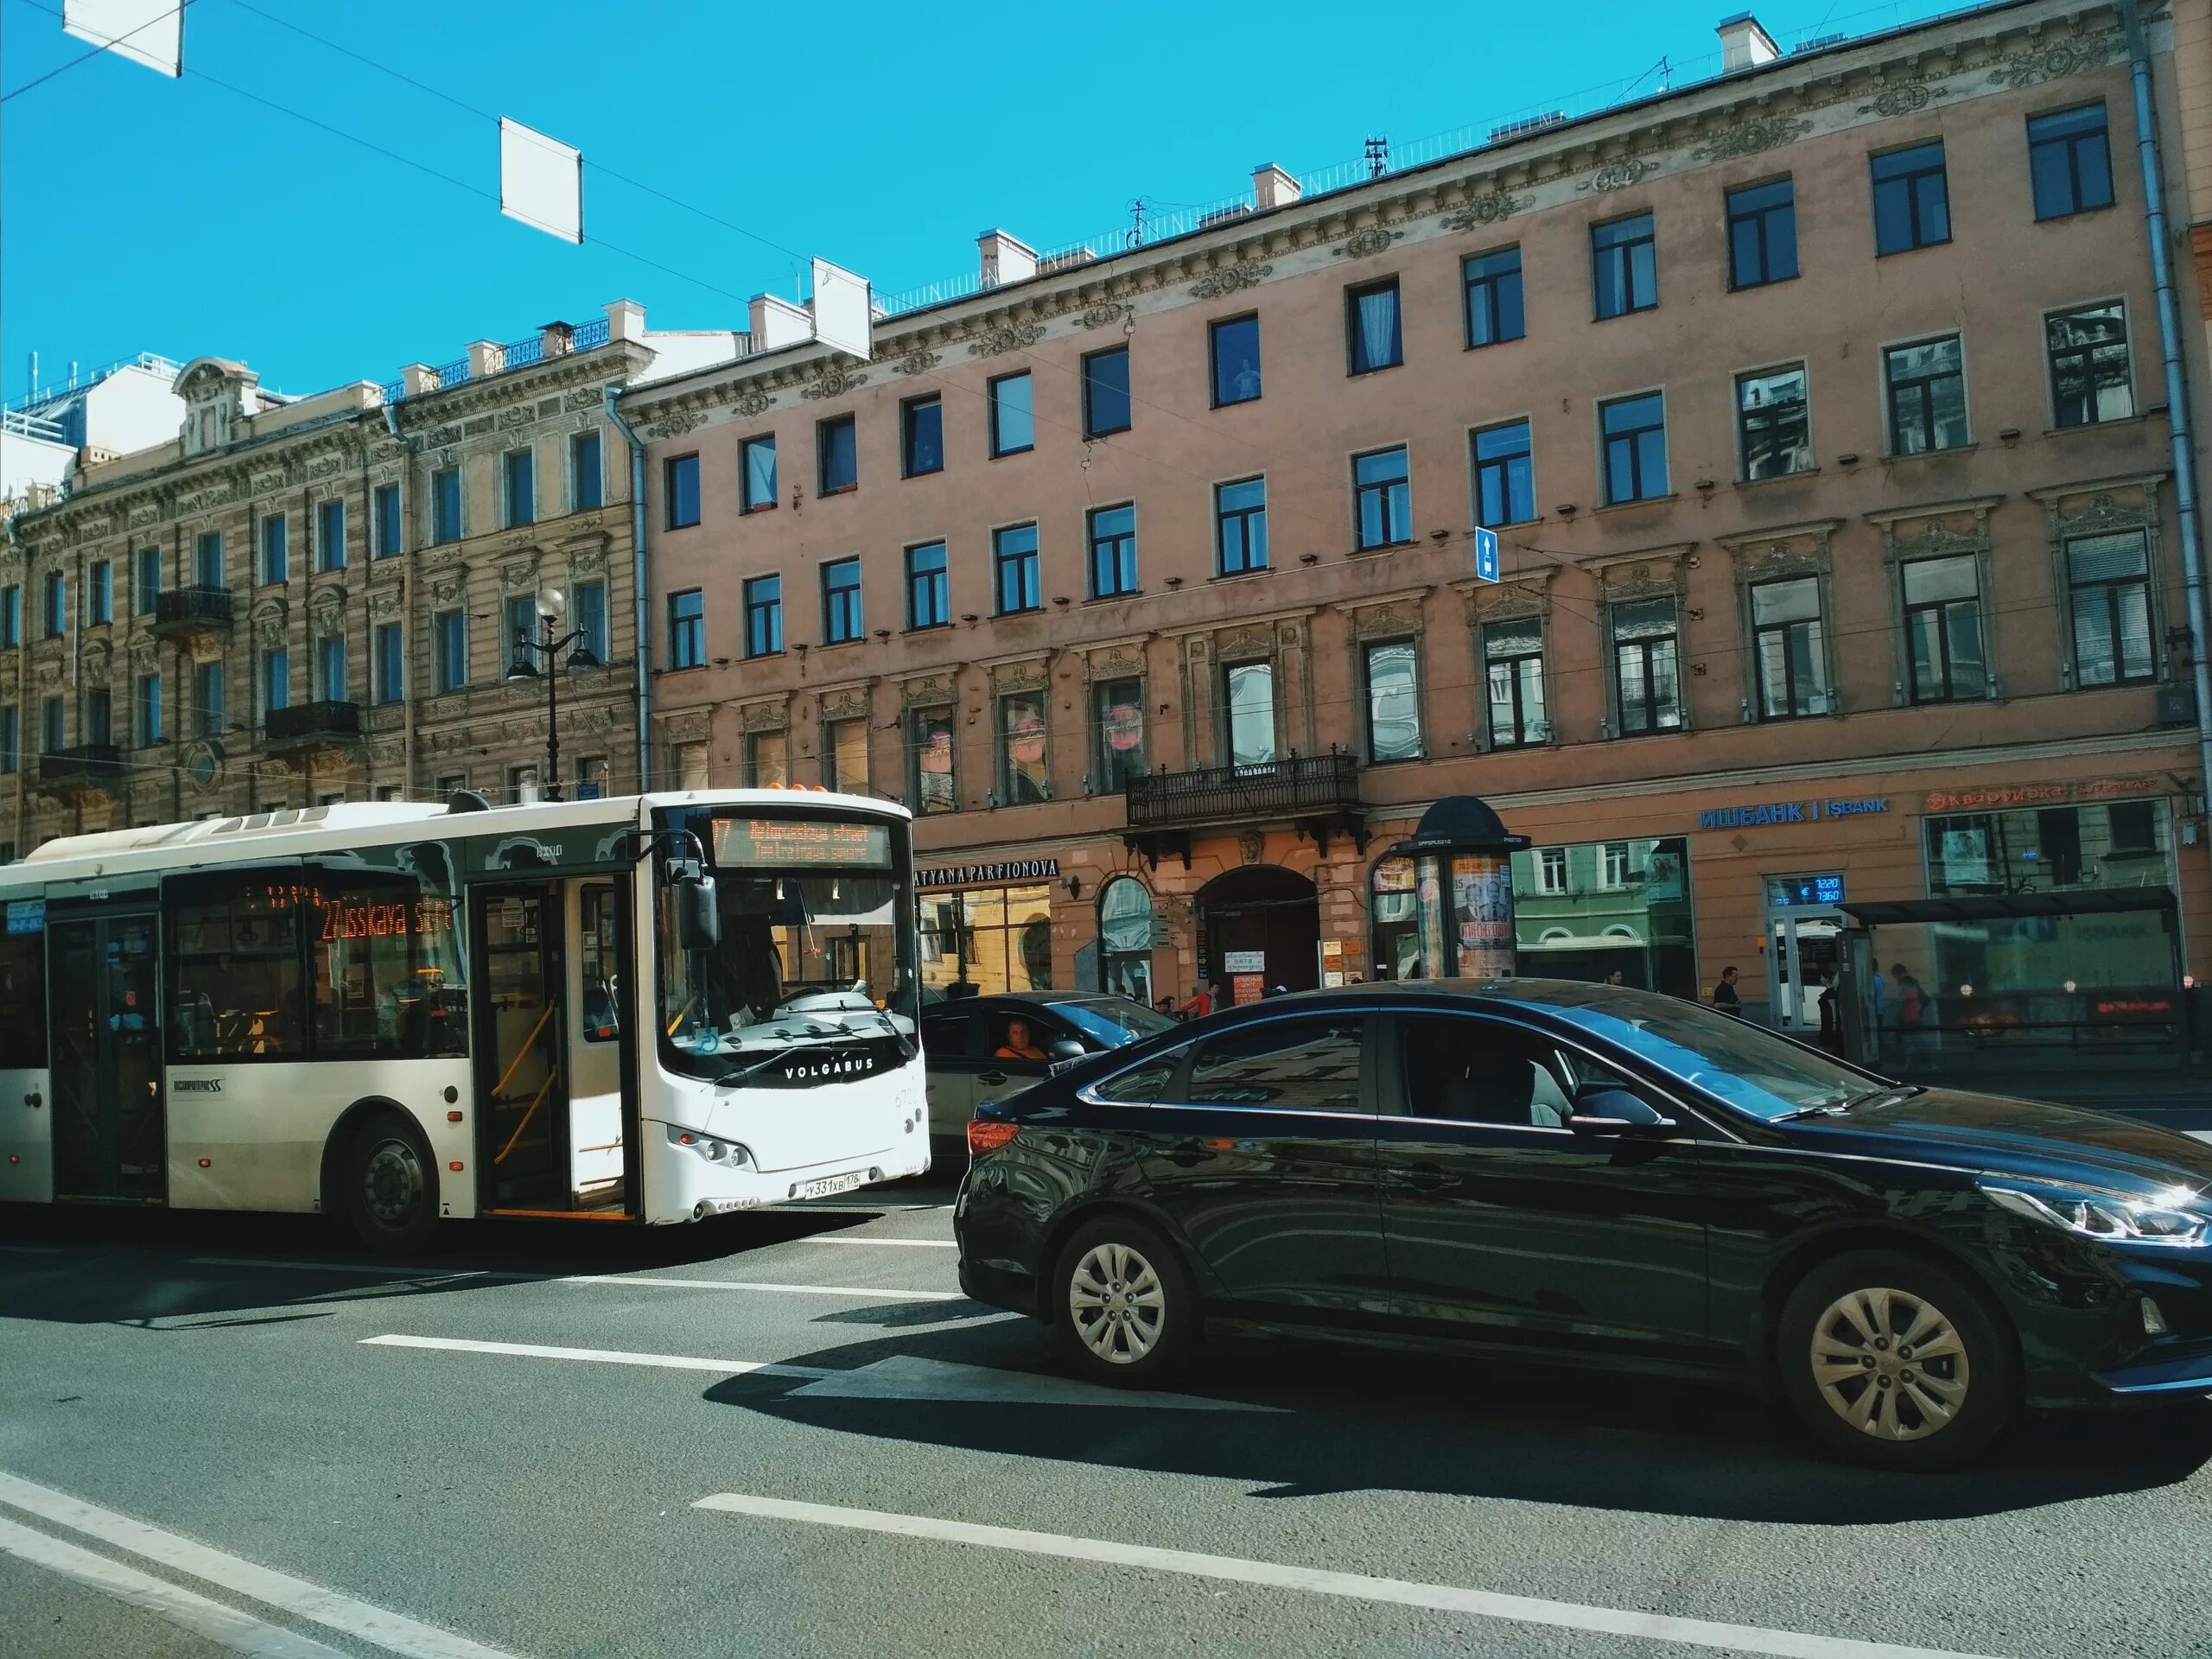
<point x="1485" y="556"/>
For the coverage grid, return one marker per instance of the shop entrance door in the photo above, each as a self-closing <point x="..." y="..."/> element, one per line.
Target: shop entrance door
<point x="109" y="1138"/>
<point x="1803" y="948"/>
<point x="1262" y="925"/>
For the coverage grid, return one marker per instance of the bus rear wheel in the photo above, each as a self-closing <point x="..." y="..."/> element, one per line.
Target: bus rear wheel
<point x="389" y="1186"/>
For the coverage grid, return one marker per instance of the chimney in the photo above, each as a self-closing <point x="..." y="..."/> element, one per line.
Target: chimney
<point x="417" y="379"/>
<point x="776" y="322"/>
<point x="1744" y="44"/>
<point x="557" y="339"/>
<point x="625" y="319"/>
<point x="486" y="357"/>
<point x="1272" y="187"/>
<point x="1006" y="258"/>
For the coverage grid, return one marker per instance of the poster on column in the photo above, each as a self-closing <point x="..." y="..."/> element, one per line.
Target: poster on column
<point x="1482" y="905"/>
<point x="1247" y="988"/>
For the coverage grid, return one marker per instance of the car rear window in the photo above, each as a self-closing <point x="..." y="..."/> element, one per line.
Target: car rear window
<point x="1292" y="1066"/>
<point x="1142" y="1084"/>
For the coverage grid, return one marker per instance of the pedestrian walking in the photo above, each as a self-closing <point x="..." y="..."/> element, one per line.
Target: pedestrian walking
<point x="1724" y="994"/>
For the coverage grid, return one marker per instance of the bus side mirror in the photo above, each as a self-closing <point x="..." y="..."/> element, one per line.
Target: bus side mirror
<point x="698" y="922"/>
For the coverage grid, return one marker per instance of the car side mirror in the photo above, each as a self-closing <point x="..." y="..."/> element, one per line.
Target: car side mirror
<point x="698" y="920"/>
<point x="1606" y="1109"/>
<point x="1066" y="1049"/>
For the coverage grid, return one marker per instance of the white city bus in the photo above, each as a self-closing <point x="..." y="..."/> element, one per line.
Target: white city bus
<point x="653" y="1008"/>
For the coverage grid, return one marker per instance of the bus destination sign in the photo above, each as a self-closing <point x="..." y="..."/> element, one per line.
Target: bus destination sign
<point x="800" y="843"/>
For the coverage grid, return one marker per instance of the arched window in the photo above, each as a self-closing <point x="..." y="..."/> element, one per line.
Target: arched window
<point x="1125" y="939"/>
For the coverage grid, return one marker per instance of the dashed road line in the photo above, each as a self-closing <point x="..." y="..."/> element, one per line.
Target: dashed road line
<point x="862" y="1291"/>
<point x="601" y="1356"/>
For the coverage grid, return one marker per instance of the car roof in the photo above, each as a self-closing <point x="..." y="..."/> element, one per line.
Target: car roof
<point x="1030" y="999"/>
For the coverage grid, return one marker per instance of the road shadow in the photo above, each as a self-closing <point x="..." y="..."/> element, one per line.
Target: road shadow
<point x="1357" y="1422"/>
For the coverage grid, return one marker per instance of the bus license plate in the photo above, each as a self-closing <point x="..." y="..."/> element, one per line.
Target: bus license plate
<point x="829" y="1183"/>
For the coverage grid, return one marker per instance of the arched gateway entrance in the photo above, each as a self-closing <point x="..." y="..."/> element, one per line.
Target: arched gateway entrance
<point x="1261" y="923"/>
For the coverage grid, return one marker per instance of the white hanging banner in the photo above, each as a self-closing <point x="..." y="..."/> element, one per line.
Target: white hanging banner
<point x="844" y="310"/>
<point x="541" y="182"/>
<point x="150" y="32"/>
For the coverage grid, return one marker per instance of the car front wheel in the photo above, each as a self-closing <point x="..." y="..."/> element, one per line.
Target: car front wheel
<point x="1896" y="1362"/>
<point x="1122" y="1304"/>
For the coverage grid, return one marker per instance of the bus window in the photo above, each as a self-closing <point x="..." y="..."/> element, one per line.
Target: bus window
<point x="383" y="949"/>
<point x="601" y="1023"/>
<point x="235" y="984"/>
<point x="23" y="1001"/>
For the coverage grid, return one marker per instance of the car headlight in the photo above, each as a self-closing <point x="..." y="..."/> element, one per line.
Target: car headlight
<point x="2108" y="1214"/>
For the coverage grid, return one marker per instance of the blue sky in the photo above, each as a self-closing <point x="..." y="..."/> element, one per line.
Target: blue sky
<point x="138" y="214"/>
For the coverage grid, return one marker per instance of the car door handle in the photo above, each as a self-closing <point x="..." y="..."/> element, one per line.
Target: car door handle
<point x="1427" y="1178"/>
<point x="34" y="1100"/>
<point x="992" y="1078"/>
<point x="1189" y="1153"/>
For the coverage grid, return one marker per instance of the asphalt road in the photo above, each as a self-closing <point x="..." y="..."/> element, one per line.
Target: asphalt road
<point x="210" y="1444"/>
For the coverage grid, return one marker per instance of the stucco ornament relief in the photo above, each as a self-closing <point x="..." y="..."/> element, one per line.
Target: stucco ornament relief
<point x="1904" y="99"/>
<point x="1099" y="315"/>
<point x="1245" y="273"/>
<point x="93" y="663"/>
<point x="919" y="361"/>
<point x="2036" y="64"/>
<point x="520" y="576"/>
<point x="834" y="380"/>
<point x="269" y="630"/>
<point x="1498" y="205"/>
<point x="327" y="614"/>
<point x="147" y="514"/>
<point x="693" y="725"/>
<point x="1620" y="175"/>
<point x="675" y="425"/>
<point x="1750" y="137"/>
<point x="751" y="401"/>
<point x="1006" y="337"/>
<point x="1361" y="243"/>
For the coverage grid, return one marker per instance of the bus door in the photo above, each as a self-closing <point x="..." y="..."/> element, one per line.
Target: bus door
<point x="521" y="1050"/>
<point x="109" y="1133"/>
<point x="594" y="995"/>
<point x="26" y="1124"/>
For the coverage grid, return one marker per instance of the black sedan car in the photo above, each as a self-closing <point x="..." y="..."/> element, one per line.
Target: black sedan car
<point x="1587" y="1173"/>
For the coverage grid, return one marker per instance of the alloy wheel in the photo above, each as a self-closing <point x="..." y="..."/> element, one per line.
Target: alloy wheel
<point x="1889" y="1364"/>
<point x="1117" y="1303"/>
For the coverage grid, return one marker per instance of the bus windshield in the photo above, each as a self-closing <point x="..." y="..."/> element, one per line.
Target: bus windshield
<point x="817" y="947"/>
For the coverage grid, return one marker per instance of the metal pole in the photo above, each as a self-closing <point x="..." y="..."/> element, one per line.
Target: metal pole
<point x="552" y="790"/>
<point x="2177" y="424"/>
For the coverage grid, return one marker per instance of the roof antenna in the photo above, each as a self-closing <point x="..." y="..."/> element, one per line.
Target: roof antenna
<point x="1137" y="209"/>
<point x="1378" y="156"/>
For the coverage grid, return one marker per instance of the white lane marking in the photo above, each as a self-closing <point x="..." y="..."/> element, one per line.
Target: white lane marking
<point x="395" y="1632"/>
<point x="2201" y="1134"/>
<point x="416" y="1275"/>
<point x="861" y="1291"/>
<point x="32" y="1250"/>
<point x="1526" y="1610"/>
<point x="227" y="1627"/>
<point x="904" y="1377"/>
<point x="598" y="1356"/>
<point x="901" y="1243"/>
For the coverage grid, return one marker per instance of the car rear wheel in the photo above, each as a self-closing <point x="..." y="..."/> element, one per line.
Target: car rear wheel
<point x="1896" y="1362"/>
<point x="1122" y="1304"/>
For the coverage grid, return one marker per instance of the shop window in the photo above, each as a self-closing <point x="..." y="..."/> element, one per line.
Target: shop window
<point x="1125" y="939"/>
<point x="989" y="940"/>
<point x="2115" y="845"/>
<point x="1118" y="720"/>
<point x="1023" y="775"/>
<point x="1393" y="927"/>
<point x="1629" y="914"/>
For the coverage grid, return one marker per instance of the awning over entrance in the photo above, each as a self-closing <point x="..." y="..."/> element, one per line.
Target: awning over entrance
<point x="2008" y="907"/>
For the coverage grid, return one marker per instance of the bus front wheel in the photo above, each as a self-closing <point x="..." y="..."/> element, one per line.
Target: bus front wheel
<point x="391" y="1185"/>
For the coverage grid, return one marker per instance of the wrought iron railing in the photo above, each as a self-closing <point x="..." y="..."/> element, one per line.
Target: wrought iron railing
<point x="186" y="607"/>
<point x="100" y="764"/>
<point x="597" y="332"/>
<point x="1297" y="783"/>
<point x="306" y="722"/>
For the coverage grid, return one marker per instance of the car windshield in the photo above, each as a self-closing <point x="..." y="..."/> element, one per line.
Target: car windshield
<point x="1727" y="1056"/>
<point x="1111" y="1021"/>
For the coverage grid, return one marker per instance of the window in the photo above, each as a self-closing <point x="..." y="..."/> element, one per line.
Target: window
<point x="1282" y="1065"/>
<point x="239" y="988"/>
<point x="1113" y="551"/>
<point x="330" y="536"/>
<point x="146" y="586"/>
<point x="1613" y="866"/>
<point x="844" y="756"/>
<point x="1014" y="423"/>
<point x="841" y="601"/>
<point x="921" y="442"/>
<point x="330" y="675"/>
<point x="1773" y="429"/>
<point x="23" y="983"/>
<point x="757" y="469"/>
<point x="768" y="759"/>
<point x="276" y="680"/>
<point x="1023" y="778"/>
<point x="518" y="468"/>
<point x="1125" y="927"/>
<point x="2089" y="376"/>
<point x="445" y="505"/>
<point x="687" y="629"/>
<point x="928" y="604"/>
<point x="836" y="455"/>
<point x="1942" y="628"/>
<point x="11" y="751"/>
<point x="275" y="550"/>
<point x="586" y="474"/>
<point x="1118" y="717"/>
<point x="1624" y="266"/>
<point x="2069" y="158"/>
<point x="1233" y="349"/>
<point x="1481" y="1072"/>
<point x="449" y="632"/>
<point x="1393" y="702"/>
<point x="150" y="710"/>
<point x="1382" y="499"/>
<point x="1240" y="519"/>
<point x="1013" y="556"/>
<point x="53" y="718"/>
<point x="1635" y="433"/>
<point x="1513" y="668"/>
<point x="680" y="491"/>
<point x="588" y="612"/>
<point x="764" y="616"/>
<point x="388" y="662"/>
<point x="1647" y="666"/>
<point x="1372" y="339"/>
<point x="1927" y="396"/>
<point x="97" y="726"/>
<point x="1106" y="392"/>
<point x="384" y="504"/>
<point x="1788" y="650"/>
<point x="520" y="625"/>
<point x="929" y="741"/>
<point x="1912" y="202"/>
<point x="688" y="765"/>
<point x="1763" y="233"/>
<point x="1505" y="476"/>
<point x="57" y="604"/>
<point x="1250" y="705"/>
<point x="11" y="617"/>
<point x="2108" y="595"/>
<point x="1551" y="870"/>
<point x="207" y="559"/>
<point x="1493" y="292"/>
<point x="211" y="715"/>
<point x="99" y="594"/>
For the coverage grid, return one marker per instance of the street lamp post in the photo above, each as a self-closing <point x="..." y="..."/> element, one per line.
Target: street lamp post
<point x="546" y="652"/>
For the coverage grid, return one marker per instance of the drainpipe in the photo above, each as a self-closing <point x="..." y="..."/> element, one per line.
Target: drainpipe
<point x="22" y="836"/>
<point x="406" y="607"/>
<point x="608" y="396"/>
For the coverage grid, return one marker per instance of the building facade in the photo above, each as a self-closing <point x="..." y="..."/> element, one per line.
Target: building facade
<point x="1816" y="409"/>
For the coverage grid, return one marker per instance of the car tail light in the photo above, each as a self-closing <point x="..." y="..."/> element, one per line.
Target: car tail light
<point x="984" y="1135"/>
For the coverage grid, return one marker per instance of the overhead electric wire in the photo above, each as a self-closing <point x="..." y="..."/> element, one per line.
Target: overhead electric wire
<point x="64" y="68"/>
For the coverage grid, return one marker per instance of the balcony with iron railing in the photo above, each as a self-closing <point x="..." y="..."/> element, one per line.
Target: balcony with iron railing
<point x="188" y="612"/>
<point x="325" y="725"/>
<point x="1313" y="793"/>
<point x="88" y="768"/>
